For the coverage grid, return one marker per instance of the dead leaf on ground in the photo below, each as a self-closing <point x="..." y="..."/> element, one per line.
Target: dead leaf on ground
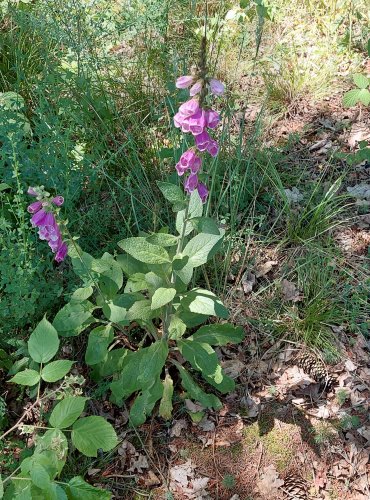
<point x="248" y="281"/>
<point x="269" y="482"/>
<point x="290" y="292"/>
<point x="265" y="268"/>
<point x="178" y="426"/>
<point x="233" y="367"/>
<point x="139" y="464"/>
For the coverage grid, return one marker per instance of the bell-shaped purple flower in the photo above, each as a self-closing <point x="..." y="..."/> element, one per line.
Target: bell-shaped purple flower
<point x="197" y="122"/>
<point x="42" y="218"/>
<point x="202" y="191"/>
<point x="213" y="148"/>
<point x="188" y="108"/>
<point x="212" y="118"/>
<point x="32" y="191"/>
<point x="34" y="207"/>
<point x="188" y="160"/>
<point x="217" y="88"/>
<point x="202" y="140"/>
<point x="58" y="201"/>
<point x="191" y="183"/>
<point x="196" y="88"/>
<point x="183" y="82"/>
<point x="62" y="252"/>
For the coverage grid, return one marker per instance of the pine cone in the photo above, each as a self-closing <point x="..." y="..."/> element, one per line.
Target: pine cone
<point x="295" y="488"/>
<point x="315" y="368"/>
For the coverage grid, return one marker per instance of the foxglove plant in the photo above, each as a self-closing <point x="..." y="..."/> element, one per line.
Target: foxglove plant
<point x="43" y="217"/>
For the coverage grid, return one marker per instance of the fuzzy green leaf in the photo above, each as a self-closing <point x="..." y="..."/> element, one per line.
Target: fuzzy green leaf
<point x="143" y="251"/>
<point x="200" y="247"/>
<point x="56" y="370"/>
<point x="176" y="328"/>
<point x="196" y="393"/>
<point x="217" y="334"/>
<point x="81" y="294"/>
<point x="99" y="340"/>
<point x="27" y="377"/>
<point x="89" y="434"/>
<point x="163" y="239"/>
<point x="165" y="407"/>
<point x="43" y="343"/>
<point x="352" y="97"/>
<point x="171" y="192"/>
<point x="361" y="81"/>
<point x="162" y="296"/>
<point x="204" y="302"/>
<point x="67" y="411"/>
<point x="144" y="403"/>
<point x="73" y="318"/>
<point x="203" y="358"/>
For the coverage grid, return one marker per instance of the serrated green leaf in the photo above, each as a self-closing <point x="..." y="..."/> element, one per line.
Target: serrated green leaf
<point x="176" y="328"/>
<point x="144" y="403"/>
<point x="89" y="434"/>
<point x="110" y="274"/>
<point x="141" y="310"/>
<point x="27" y="377"/>
<point x="99" y="340"/>
<point x="364" y="97"/>
<point x="361" y="81"/>
<point x="73" y="318"/>
<point x="143" y="251"/>
<point x="56" y="442"/>
<point x="203" y="358"/>
<point x="78" y="489"/>
<point x="165" y="407"/>
<point x="171" y="192"/>
<point x="136" y="283"/>
<point x="67" y="411"/>
<point x="162" y="296"/>
<point x="217" y="334"/>
<point x="39" y="476"/>
<point x="115" y="310"/>
<point x="43" y="343"/>
<point x="200" y="247"/>
<point x="351" y="98"/>
<point x="131" y="266"/>
<point x="195" y="392"/>
<point x="56" y="370"/>
<point x="81" y="294"/>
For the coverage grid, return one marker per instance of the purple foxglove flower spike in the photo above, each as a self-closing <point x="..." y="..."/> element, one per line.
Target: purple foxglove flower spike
<point x="196" y="88"/>
<point x="217" y="88"/>
<point x="34" y="207"/>
<point x="183" y="82"/>
<point x="197" y="122"/>
<point x="202" y="140"/>
<point x="191" y="183"/>
<point x="203" y="192"/>
<point x="58" y="201"/>
<point x="212" y="118"/>
<point x="62" y="252"/>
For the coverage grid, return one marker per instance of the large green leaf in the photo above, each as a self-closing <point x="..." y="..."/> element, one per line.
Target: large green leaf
<point x="141" y="310"/>
<point x="163" y="239"/>
<point x="136" y="283"/>
<point x="26" y="377"/>
<point x="115" y="310"/>
<point x="73" y="318"/>
<point x="113" y="363"/>
<point x="131" y="266"/>
<point x="67" y="411"/>
<point x="99" y="340"/>
<point x="352" y="97"/>
<point x="199" y="248"/>
<point x="172" y="193"/>
<point x="144" y="403"/>
<point x="162" y="296"/>
<point x="43" y="343"/>
<point x="81" y="294"/>
<point x="195" y="210"/>
<point x="82" y="265"/>
<point x="361" y="81"/>
<point x="89" y="434"/>
<point x="54" y="440"/>
<point x="78" y="489"/>
<point x="139" y="370"/>
<point x="176" y="328"/>
<point x="56" y="370"/>
<point x="217" y="334"/>
<point x="111" y="276"/>
<point x="143" y="251"/>
<point x="203" y="358"/>
<point x="196" y="393"/>
<point x="203" y="302"/>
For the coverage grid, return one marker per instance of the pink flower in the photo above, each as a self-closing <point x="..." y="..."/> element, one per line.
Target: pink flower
<point x="202" y="140"/>
<point x="196" y="88"/>
<point x="188" y="108"/>
<point x="58" y="201"/>
<point x="178" y="119"/>
<point x="184" y="82"/>
<point x="188" y="160"/>
<point x="62" y="252"/>
<point x="32" y="192"/>
<point x="203" y="192"/>
<point x="191" y="183"/>
<point x="42" y="218"/>
<point x="212" y="147"/>
<point x="34" y="207"/>
<point x="196" y="122"/>
<point x="212" y="118"/>
<point x="217" y="88"/>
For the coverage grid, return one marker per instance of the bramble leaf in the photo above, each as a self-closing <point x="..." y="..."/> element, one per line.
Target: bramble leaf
<point x="78" y="489"/>
<point x="67" y="411"/>
<point x="43" y="343"/>
<point x="27" y="377"/>
<point x="89" y="434"/>
<point x="56" y="370"/>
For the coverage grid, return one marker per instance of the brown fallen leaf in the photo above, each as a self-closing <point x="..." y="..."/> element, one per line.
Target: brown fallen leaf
<point x="269" y="481"/>
<point x="178" y="426"/>
<point x="233" y="367"/>
<point x="248" y="281"/>
<point x="290" y="292"/>
<point x="151" y="480"/>
<point x="265" y="268"/>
